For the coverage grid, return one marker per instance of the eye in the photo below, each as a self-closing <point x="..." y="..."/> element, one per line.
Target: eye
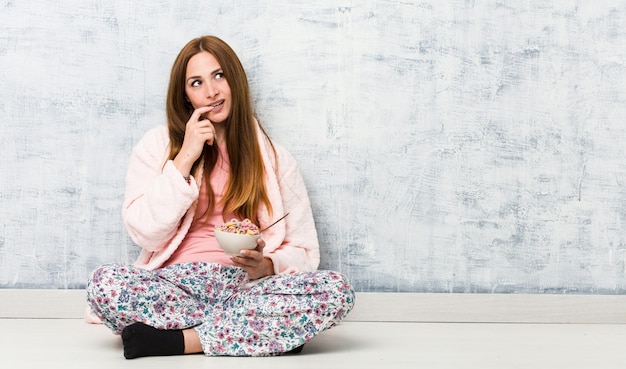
<point x="219" y="75"/>
<point x="195" y="83"/>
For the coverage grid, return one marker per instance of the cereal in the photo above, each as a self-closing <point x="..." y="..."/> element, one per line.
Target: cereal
<point x="239" y="227"/>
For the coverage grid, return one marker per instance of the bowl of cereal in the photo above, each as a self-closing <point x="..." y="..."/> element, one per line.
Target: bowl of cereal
<point x="235" y="235"/>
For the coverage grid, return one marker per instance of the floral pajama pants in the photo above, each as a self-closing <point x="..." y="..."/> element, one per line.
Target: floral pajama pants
<point x="231" y="314"/>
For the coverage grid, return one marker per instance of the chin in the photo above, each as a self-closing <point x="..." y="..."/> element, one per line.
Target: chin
<point x="218" y="120"/>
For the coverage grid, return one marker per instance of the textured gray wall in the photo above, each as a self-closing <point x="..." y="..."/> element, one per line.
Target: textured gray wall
<point x="449" y="146"/>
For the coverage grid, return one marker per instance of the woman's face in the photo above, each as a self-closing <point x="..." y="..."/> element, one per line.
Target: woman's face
<point x="206" y="85"/>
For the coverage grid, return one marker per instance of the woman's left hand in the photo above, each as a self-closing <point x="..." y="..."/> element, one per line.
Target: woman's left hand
<point x="254" y="262"/>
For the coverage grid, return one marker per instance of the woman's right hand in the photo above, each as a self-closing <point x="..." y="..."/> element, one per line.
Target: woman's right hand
<point x="197" y="132"/>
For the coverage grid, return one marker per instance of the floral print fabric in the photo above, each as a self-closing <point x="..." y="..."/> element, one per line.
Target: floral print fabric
<point x="231" y="314"/>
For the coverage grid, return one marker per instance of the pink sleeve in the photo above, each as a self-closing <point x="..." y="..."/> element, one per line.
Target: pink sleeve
<point x="298" y="248"/>
<point x="156" y="196"/>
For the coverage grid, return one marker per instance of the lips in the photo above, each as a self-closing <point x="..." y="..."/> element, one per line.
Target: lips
<point x="215" y="105"/>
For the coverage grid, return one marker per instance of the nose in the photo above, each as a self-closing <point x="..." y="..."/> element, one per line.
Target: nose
<point x="211" y="90"/>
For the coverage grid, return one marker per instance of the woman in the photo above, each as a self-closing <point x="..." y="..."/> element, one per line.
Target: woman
<point x="214" y="162"/>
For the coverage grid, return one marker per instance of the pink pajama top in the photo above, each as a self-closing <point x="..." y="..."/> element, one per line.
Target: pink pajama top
<point x="160" y="206"/>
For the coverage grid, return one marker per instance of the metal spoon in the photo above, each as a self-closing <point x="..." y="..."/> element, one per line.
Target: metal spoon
<point x="271" y="225"/>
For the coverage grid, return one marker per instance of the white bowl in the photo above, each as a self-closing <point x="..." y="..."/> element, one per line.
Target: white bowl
<point x="233" y="243"/>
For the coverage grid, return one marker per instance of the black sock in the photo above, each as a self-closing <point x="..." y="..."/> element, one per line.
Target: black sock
<point x="297" y="350"/>
<point x="142" y="340"/>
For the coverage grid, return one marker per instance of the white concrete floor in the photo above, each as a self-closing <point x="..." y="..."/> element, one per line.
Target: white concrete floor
<point x="70" y="343"/>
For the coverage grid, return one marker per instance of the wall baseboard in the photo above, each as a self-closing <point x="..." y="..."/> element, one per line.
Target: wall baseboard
<point x="382" y="307"/>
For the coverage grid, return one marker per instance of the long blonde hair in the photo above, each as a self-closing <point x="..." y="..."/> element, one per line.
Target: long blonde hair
<point x="245" y="189"/>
